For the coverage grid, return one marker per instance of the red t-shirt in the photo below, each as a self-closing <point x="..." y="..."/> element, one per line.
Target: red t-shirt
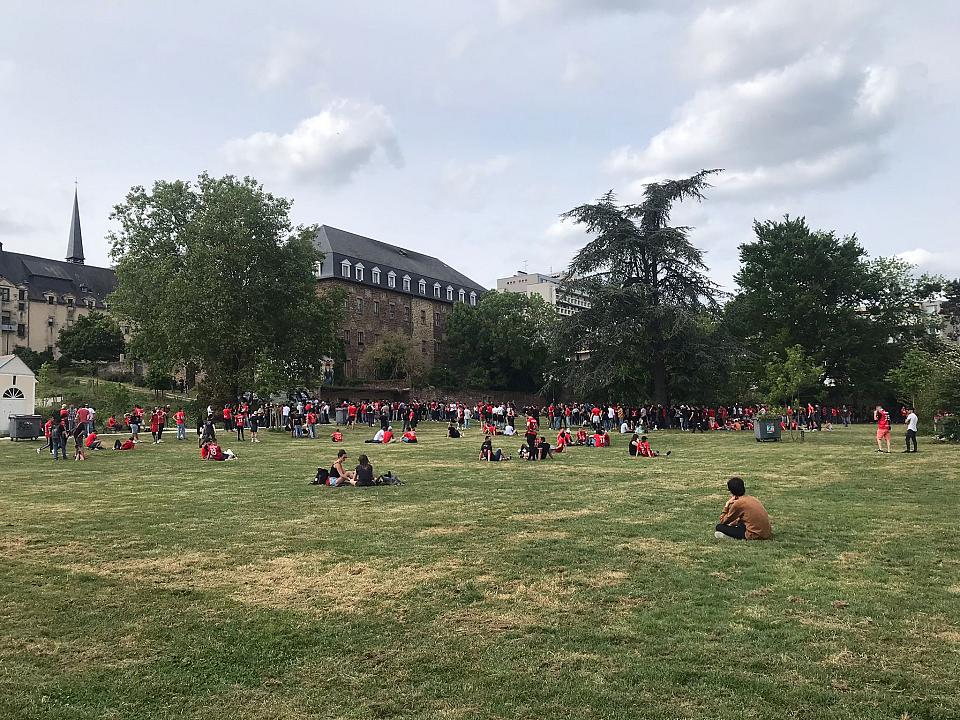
<point x="883" y="420"/>
<point x="127" y="445"/>
<point x="91" y="439"/>
<point x="387" y="436"/>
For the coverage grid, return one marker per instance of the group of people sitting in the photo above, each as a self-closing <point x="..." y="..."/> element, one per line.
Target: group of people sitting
<point x="385" y="436"/>
<point x="338" y="475"/>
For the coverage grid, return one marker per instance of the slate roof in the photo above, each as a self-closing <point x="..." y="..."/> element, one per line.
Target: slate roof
<point x="13" y="365"/>
<point x="75" y="243"/>
<point x="342" y="244"/>
<point x="41" y="276"/>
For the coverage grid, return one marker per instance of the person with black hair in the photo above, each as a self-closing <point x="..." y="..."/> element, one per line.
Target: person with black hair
<point x="363" y="475"/>
<point x="743" y="517"/>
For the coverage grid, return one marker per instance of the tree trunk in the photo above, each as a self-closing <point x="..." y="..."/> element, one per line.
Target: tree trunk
<point x="658" y="359"/>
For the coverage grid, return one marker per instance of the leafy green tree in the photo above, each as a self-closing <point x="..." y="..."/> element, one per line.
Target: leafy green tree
<point x="928" y="381"/>
<point x="788" y="376"/>
<point x="214" y="273"/>
<point x="394" y="357"/>
<point x="502" y="343"/>
<point x="648" y="290"/>
<point x="32" y="358"/>
<point x="94" y="336"/>
<point x="852" y="315"/>
<point x="950" y="309"/>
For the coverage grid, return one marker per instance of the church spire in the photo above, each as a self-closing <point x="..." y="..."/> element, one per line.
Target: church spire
<point x="75" y="244"/>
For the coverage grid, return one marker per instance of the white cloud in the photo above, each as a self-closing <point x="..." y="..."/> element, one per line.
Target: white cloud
<point x="945" y="263"/>
<point x="817" y="121"/>
<point x="328" y="148"/>
<point x="578" y="70"/>
<point x="564" y="230"/>
<point x="471" y="184"/>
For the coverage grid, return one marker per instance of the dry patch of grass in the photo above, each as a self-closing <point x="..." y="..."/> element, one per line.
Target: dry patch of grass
<point x="536" y="535"/>
<point x="443" y="531"/>
<point x="553" y="515"/>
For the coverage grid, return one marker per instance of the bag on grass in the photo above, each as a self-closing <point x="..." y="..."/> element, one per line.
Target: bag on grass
<point x="321" y="478"/>
<point x="389" y="478"/>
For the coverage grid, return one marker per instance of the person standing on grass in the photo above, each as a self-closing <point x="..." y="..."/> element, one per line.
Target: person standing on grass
<point x="743" y="517"/>
<point x="161" y="423"/>
<point x="255" y="420"/>
<point x="882" y="418"/>
<point x="911" y="422"/>
<point x="180" y="418"/>
<point x="239" y="423"/>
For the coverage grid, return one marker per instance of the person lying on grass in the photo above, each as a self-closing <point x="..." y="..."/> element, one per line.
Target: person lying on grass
<point x="127" y="444"/>
<point x="743" y="517"/>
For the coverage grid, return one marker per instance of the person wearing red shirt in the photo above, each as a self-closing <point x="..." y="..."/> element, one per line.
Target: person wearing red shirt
<point x="227" y="418"/>
<point x="127" y="444"/>
<point x="351" y="414"/>
<point x="581" y="437"/>
<point x="180" y="418"/>
<point x="111" y="423"/>
<point x="240" y="422"/>
<point x="410" y="436"/>
<point x="337" y="436"/>
<point x="154" y="425"/>
<point x="387" y="436"/>
<point x="883" y="427"/>
<point x="92" y="443"/>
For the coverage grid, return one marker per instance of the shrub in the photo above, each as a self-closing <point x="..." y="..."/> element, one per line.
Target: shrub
<point x="951" y="428"/>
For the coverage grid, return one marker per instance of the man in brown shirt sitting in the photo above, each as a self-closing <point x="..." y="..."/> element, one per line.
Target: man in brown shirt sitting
<point x="743" y="517"/>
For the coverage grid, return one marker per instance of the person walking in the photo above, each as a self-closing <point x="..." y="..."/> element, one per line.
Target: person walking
<point x="911" y="422"/>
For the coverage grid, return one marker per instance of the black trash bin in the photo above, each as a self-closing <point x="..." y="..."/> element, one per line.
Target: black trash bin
<point x="767" y="430"/>
<point x="25" y="427"/>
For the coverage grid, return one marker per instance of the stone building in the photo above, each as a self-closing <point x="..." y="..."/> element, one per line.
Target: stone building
<point x="39" y="297"/>
<point x="390" y="289"/>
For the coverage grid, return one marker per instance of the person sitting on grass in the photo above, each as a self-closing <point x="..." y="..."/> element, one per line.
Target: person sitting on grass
<point x="563" y="440"/>
<point x="211" y="450"/>
<point x="743" y="517"/>
<point x="128" y="444"/>
<point x="508" y="431"/>
<point x="92" y="442"/>
<point x="543" y="449"/>
<point x="489" y="454"/>
<point x="363" y="475"/>
<point x="581" y="437"/>
<point x="377" y="437"/>
<point x="410" y="436"/>
<point x="452" y="431"/>
<point x="339" y="475"/>
<point x="337" y="436"/>
<point x="643" y="449"/>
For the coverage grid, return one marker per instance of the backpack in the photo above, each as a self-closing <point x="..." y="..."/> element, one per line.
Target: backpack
<point x="321" y="478"/>
<point x="389" y="479"/>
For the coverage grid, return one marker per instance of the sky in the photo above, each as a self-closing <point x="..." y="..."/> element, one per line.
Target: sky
<point x="465" y="129"/>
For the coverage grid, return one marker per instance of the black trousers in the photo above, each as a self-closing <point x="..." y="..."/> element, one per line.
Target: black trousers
<point x="738" y="532"/>
<point x="911" y="438"/>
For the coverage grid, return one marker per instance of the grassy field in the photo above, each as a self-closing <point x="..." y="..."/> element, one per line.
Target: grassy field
<point x="150" y="585"/>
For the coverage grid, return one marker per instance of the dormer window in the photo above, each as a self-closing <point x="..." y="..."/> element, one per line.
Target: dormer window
<point x="462" y="295"/>
<point x="318" y="269"/>
<point x="69" y="302"/>
<point x="345" y="268"/>
<point x="358" y="272"/>
<point x="406" y="283"/>
<point x="473" y="298"/>
<point x="51" y="299"/>
<point x="391" y="279"/>
<point x="449" y="293"/>
<point x="436" y="290"/>
<point x="375" y="276"/>
<point x="91" y="303"/>
<point x="423" y="286"/>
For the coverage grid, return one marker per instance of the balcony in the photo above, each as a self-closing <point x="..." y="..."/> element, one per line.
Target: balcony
<point x="7" y="327"/>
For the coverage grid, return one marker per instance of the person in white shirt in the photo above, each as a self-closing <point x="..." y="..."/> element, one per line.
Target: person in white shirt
<point x="911" y="422"/>
<point x="508" y="430"/>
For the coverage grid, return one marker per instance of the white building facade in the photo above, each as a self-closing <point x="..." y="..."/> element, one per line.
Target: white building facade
<point x="546" y="286"/>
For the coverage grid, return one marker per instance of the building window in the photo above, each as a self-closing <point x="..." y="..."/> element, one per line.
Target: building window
<point x="393" y="311"/>
<point x="51" y="299"/>
<point x="423" y="317"/>
<point x="345" y="268"/>
<point x="436" y="290"/>
<point x="318" y="268"/>
<point x="360" y="338"/>
<point x="13" y="394"/>
<point x="23" y="294"/>
<point x="406" y="283"/>
<point x="473" y="298"/>
<point x="436" y="319"/>
<point x="375" y="276"/>
<point x="449" y="293"/>
<point x="436" y="347"/>
<point x="91" y="303"/>
<point x="423" y="286"/>
<point x="69" y="302"/>
<point x="407" y="313"/>
<point x="5" y="294"/>
<point x="391" y="279"/>
<point x="359" y="305"/>
<point x="21" y="330"/>
<point x="462" y="295"/>
<point x="358" y="272"/>
<point x="423" y="346"/>
<point x="376" y="308"/>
